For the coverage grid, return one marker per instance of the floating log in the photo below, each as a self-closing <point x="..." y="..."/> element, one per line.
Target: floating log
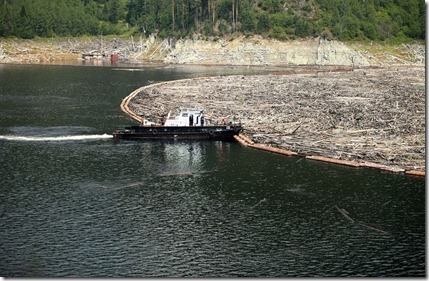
<point x="273" y="149"/>
<point x="416" y="173"/>
<point x="372" y="228"/>
<point x="386" y="203"/>
<point x="263" y="200"/>
<point x="246" y="139"/>
<point x="345" y="214"/>
<point x="125" y="108"/>
<point x="335" y="161"/>
<point x="293" y="132"/>
<point x="240" y="140"/>
<point x="382" y="167"/>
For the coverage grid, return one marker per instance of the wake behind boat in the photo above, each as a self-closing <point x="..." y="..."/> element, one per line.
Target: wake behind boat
<point x="188" y="124"/>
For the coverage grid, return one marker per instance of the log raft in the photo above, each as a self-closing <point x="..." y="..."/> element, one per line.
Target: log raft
<point x="335" y="161"/>
<point x="316" y="119"/>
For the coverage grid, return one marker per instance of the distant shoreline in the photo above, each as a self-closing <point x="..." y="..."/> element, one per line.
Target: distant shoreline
<point x="245" y="51"/>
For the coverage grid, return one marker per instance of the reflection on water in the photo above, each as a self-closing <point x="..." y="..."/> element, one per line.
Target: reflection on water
<point x="106" y="208"/>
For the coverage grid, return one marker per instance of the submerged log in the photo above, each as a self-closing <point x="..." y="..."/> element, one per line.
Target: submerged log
<point x="346" y="215"/>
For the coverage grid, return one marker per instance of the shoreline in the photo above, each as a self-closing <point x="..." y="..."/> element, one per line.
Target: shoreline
<point x="142" y="104"/>
<point x="237" y="51"/>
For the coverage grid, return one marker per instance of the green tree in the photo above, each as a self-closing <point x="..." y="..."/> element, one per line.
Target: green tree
<point x="248" y="18"/>
<point x="341" y="19"/>
<point x="270" y="6"/>
<point x="115" y="11"/>
<point x="302" y="28"/>
<point x="263" y="24"/>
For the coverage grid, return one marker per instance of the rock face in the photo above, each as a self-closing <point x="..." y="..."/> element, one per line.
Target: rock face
<point x="4" y="57"/>
<point x="259" y="51"/>
<point x="241" y="50"/>
<point x="337" y="53"/>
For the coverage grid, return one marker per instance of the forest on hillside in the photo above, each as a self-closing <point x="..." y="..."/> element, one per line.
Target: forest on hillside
<point x="281" y="19"/>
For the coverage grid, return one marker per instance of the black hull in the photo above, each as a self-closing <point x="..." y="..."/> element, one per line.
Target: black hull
<point x="222" y="133"/>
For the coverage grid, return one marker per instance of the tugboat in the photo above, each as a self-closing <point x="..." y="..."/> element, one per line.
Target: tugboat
<point x="188" y="124"/>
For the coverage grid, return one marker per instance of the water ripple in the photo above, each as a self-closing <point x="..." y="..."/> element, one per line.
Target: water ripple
<point x="85" y="206"/>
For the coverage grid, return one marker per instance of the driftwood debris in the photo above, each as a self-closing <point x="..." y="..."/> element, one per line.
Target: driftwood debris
<point x="333" y="160"/>
<point x="263" y="200"/>
<point x="372" y="116"/>
<point x="346" y="215"/>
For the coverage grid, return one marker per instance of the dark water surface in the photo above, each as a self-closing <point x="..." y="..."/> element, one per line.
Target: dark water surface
<point x="74" y="202"/>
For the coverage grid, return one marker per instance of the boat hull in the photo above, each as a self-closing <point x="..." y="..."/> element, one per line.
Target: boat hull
<point x="223" y="133"/>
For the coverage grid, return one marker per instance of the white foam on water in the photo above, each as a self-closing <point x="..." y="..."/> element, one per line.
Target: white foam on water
<point x="129" y="69"/>
<point x="57" y="138"/>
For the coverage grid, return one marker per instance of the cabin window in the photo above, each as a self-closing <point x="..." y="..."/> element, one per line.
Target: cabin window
<point x="185" y="115"/>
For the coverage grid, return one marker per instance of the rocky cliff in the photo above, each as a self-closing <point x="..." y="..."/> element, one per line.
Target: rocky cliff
<point x="241" y="50"/>
<point x="259" y="51"/>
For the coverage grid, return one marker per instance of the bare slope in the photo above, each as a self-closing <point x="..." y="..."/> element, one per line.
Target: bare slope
<point x="239" y="50"/>
<point x="259" y="51"/>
